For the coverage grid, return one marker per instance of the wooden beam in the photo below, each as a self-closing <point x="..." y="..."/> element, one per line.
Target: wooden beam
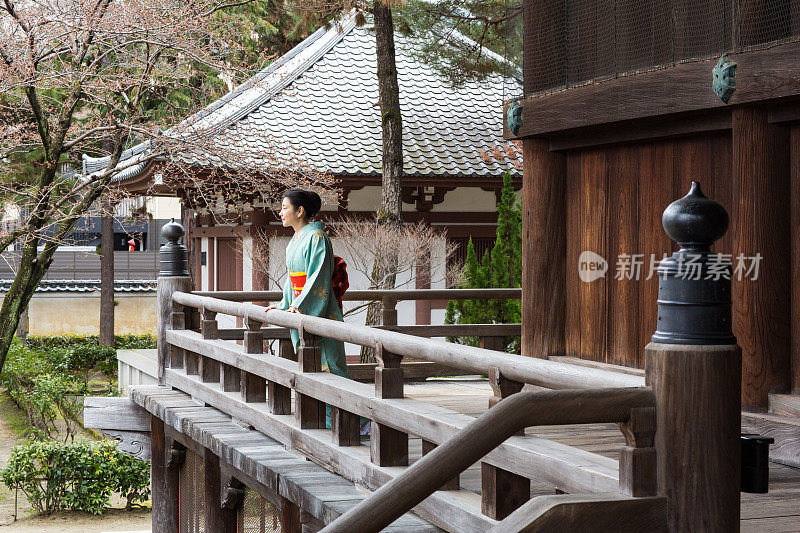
<point x="761" y="75"/>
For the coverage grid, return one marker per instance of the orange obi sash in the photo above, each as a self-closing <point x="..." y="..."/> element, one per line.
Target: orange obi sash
<point x="298" y="280"/>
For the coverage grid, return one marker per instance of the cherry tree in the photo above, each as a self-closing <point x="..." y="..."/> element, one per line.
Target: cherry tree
<point x="116" y="78"/>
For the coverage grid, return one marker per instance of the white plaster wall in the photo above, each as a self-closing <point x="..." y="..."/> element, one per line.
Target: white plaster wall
<point x="366" y="199"/>
<point x="204" y="285"/>
<point x="164" y="207"/>
<point x="247" y="263"/>
<point x="79" y="314"/>
<point x="467" y="199"/>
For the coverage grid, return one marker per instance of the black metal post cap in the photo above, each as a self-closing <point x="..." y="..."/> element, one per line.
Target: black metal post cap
<point x="694" y="285"/>
<point x="173" y="255"/>
<point x="695" y="221"/>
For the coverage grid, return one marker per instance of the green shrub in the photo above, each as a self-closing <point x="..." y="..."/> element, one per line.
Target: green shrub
<point x="78" y="476"/>
<point x="45" y="391"/>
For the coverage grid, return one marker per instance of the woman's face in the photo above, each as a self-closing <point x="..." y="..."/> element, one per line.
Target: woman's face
<point x="289" y="215"/>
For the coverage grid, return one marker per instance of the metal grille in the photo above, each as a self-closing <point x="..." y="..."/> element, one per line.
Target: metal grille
<point x="258" y="515"/>
<point x="571" y="42"/>
<point x="190" y="489"/>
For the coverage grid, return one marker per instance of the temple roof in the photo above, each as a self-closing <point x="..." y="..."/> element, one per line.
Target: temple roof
<point x="322" y="99"/>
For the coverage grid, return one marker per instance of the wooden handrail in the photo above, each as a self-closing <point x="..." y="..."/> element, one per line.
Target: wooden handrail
<point x="425" y="330"/>
<point x="518" y="411"/>
<point x="550" y="374"/>
<point x="378" y="294"/>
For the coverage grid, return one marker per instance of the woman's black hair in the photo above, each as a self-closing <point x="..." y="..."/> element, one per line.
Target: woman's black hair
<point x="306" y="199"/>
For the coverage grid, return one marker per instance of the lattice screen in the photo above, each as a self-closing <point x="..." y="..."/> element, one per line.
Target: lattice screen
<point x="258" y="515"/>
<point x="190" y="489"/>
<point x="576" y="41"/>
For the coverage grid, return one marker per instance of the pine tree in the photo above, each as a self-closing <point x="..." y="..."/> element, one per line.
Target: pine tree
<point x="499" y="268"/>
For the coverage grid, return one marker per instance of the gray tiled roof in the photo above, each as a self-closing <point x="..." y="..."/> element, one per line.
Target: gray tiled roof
<point x="322" y="98"/>
<point x="86" y="286"/>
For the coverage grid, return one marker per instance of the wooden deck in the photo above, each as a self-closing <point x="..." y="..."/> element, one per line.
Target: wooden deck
<point x="777" y="511"/>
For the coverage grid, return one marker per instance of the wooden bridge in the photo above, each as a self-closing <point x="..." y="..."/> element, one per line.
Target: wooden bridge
<point x="230" y="425"/>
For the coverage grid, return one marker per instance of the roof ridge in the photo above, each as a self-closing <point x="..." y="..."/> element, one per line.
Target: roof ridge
<point x="329" y="37"/>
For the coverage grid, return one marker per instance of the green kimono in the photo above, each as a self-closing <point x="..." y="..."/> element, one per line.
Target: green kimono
<point x="309" y="258"/>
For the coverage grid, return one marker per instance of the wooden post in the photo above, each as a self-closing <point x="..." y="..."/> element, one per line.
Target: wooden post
<point x="453" y="484"/>
<point x="544" y="247"/>
<point x="208" y="367"/>
<point x="388" y="446"/>
<point x="280" y="397"/>
<point x="389" y="312"/>
<point x="697" y="392"/>
<point x="794" y="231"/>
<point x="694" y="368"/>
<point x="345" y="427"/>
<point x="173" y="277"/>
<point x="637" y="459"/>
<point x="217" y="517"/>
<point x="176" y="355"/>
<point x="762" y="312"/>
<point x="308" y="411"/>
<point x="290" y="517"/>
<point x="502" y="491"/>
<point x="163" y="483"/>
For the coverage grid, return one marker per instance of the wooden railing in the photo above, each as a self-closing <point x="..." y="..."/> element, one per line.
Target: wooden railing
<point x="246" y="384"/>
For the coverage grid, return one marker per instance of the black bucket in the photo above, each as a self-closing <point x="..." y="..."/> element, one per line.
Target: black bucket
<point x="755" y="463"/>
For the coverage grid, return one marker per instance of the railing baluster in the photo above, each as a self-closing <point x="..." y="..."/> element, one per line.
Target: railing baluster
<point x="637" y="459"/>
<point x="178" y="322"/>
<point x="254" y="388"/>
<point x="308" y="411"/>
<point x="388" y="446"/>
<point x="502" y="492"/>
<point x="345" y="427"/>
<point x="191" y="363"/>
<point x="208" y="367"/>
<point x="280" y="397"/>
<point x="453" y="484"/>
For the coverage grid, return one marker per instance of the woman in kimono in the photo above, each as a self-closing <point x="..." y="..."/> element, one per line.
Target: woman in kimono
<point x="309" y="259"/>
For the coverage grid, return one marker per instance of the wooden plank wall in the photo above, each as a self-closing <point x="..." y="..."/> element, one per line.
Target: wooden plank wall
<point x="615" y="198"/>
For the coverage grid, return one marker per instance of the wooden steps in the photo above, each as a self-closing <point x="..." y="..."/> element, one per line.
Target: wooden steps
<point x="316" y="490"/>
<point x="785" y="405"/>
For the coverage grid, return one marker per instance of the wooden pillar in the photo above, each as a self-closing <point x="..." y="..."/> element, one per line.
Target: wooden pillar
<point x="794" y="231"/>
<point x="217" y="518"/>
<point x="761" y="309"/>
<point x="697" y="389"/>
<point x="544" y="250"/>
<point x="163" y="482"/>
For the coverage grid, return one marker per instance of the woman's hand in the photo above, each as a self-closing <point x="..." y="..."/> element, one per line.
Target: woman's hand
<point x="293" y="309"/>
<point x="270" y="307"/>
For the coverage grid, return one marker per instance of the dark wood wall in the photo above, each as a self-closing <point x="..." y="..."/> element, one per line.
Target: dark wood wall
<point x="614" y="200"/>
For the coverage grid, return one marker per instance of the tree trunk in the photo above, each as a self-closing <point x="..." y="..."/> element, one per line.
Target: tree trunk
<point x="107" y="273"/>
<point x="391" y="118"/>
<point x="391" y="208"/>
<point x="30" y="273"/>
